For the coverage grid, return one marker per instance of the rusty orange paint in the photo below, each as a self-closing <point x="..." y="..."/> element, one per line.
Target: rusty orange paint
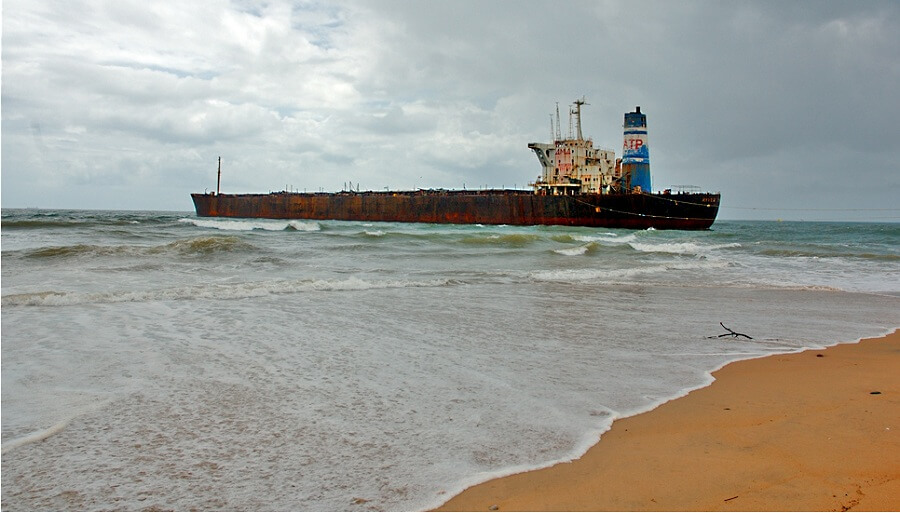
<point x="513" y="207"/>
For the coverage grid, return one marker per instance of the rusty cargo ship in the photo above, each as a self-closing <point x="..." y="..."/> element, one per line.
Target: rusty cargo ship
<point x="579" y="185"/>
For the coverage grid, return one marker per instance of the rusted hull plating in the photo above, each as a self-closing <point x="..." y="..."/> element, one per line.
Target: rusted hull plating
<point x="635" y="211"/>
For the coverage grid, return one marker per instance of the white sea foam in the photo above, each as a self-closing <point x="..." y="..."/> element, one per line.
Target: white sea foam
<point x="686" y="248"/>
<point x="254" y="224"/>
<point x="606" y="238"/>
<point x="579" y="250"/>
<point x="619" y="275"/>
<point x="305" y="226"/>
<point x="34" y="437"/>
<point x="241" y="290"/>
<point x="680" y="248"/>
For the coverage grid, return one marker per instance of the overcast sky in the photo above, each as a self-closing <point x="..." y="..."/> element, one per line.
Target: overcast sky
<point x="789" y="109"/>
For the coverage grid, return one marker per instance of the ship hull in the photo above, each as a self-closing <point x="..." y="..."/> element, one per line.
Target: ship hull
<point x="636" y="211"/>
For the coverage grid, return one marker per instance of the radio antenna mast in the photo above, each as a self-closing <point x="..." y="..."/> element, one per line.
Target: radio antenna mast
<point x="558" y="135"/>
<point x="578" y="104"/>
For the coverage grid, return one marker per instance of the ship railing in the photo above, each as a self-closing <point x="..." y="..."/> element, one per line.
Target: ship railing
<point x="690" y="189"/>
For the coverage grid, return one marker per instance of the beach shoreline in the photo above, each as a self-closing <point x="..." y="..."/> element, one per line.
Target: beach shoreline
<point x="812" y="430"/>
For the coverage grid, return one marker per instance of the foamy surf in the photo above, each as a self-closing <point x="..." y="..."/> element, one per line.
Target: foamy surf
<point x="680" y="248"/>
<point x="34" y="437"/>
<point x="218" y="291"/>
<point x="386" y="368"/>
<point x="622" y="276"/>
<point x="187" y="246"/>
<point x="576" y="251"/>
<point x="255" y="224"/>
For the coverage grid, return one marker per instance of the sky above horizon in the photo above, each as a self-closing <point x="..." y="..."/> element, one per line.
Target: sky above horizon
<point x="789" y="109"/>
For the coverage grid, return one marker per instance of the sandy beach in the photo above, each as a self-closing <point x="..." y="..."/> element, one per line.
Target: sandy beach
<point x="811" y="431"/>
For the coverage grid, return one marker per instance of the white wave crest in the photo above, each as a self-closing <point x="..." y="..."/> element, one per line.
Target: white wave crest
<point x="34" y="437"/>
<point x="305" y="226"/>
<point x="253" y="224"/>
<point x="614" y="276"/>
<point x="580" y="250"/>
<point x="680" y="248"/>
<point x="606" y="238"/>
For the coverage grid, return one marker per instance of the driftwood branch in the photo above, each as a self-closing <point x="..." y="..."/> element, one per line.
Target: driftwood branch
<point x="731" y="333"/>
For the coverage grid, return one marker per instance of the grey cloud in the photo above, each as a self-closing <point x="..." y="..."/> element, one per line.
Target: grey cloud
<point x="777" y="104"/>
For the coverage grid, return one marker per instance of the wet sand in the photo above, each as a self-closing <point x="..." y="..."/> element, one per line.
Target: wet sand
<point x="811" y="431"/>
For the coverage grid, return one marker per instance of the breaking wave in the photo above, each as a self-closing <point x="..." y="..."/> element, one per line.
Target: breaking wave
<point x="62" y="222"/>
<point x="205" y="245"/>
<point x="614" y="276"/>
<point x="245" y="225"/>
<point x="214" y="291"/>
<point x="680" y="248"/>
<point x="196" y="245"/>
<point x="607" y="238"/>
<point x="661" y="274"/>
<point x="590" y="247"/>
<point x="511" y="239"/>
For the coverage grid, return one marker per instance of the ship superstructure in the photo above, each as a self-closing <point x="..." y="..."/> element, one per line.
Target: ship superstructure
<point x="574" y="166"/>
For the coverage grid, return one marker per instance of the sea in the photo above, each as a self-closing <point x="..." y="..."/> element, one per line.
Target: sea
<point x="161" y="361"/>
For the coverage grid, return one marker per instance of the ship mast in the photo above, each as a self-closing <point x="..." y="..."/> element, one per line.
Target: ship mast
<point x="219" y="179"/>
<point x="558" y="134"/>
<point x="578" y="104"/>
